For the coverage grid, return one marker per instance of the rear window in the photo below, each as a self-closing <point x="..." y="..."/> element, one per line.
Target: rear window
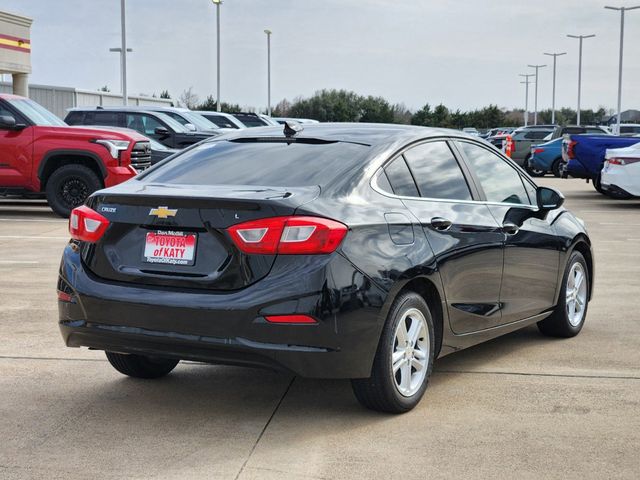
<point x="275" y="164"/>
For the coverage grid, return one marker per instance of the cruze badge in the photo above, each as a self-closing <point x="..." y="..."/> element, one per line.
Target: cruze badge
<point x="163" y="212"/>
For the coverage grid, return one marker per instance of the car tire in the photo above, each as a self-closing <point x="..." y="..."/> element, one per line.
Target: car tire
<point x="555" y="167"/>
<point x="597" y="185"/>
<point x="567" y="319"/>
<point x="396" y="385"/>
<point x="69" y="186"/>
<point x="534" y="172"/>
<point x="140" y="366"/>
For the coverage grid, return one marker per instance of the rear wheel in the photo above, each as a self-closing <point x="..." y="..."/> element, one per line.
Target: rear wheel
<point x="403" y="362"/>
<point x="140" y="366"/>
<point x="569" y="315"/>
<point x="531" y="170"/>
<point x="69" y="186"/>
<point x="555" y="167"/>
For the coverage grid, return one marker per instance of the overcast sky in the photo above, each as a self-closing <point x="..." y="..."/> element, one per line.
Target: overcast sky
<point x="464" y="53"/>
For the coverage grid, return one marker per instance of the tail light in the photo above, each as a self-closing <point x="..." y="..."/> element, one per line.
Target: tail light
<point x="623" y="161"/>
<point x="87" y="225"/>
<point x="570" y="148"/>
<point x="290" y="319"/>
<point x="538" y="150"/>
<point x="288" y="235"/>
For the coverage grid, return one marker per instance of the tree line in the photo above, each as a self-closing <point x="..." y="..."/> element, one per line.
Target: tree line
<point x="331" y="105"/>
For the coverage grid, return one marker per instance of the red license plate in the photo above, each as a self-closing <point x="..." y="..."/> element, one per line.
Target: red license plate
<point x="170" y="247"/>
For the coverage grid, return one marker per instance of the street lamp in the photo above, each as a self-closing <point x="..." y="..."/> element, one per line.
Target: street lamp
<point x="526" y="96"/>
<point x="217" y="3"/>
<point x="580" y="37"/>
<point x="268" y="32"/>
<point x="621" y="10"/>
<point x="123" y="52"/>
<point x="119" y="50"/>
<point x="535" y="115"/>
<point x="553" y="95"/>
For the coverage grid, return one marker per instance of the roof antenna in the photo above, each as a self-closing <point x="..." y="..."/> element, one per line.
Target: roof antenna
<point x="291" y="128"/>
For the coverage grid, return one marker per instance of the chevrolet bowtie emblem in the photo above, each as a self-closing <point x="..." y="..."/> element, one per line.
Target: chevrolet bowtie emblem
<point x="163" y="212"/>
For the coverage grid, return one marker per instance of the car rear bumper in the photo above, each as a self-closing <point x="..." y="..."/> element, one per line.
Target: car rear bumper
<point x="230" y="327"/>
<point x="617" y="180"/>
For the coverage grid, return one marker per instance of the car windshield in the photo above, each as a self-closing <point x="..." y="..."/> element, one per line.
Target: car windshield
<point x="174" y="124"/>
<point x="275" y="164"/>
<point x="199" y="121"/>
<point x="36" y="113"/>
<point x="156" y="145"/>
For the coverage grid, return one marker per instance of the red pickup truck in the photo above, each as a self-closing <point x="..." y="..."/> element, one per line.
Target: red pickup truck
<point x="39" y="153"/>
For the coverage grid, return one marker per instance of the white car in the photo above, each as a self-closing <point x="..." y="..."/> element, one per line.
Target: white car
<point x="471" y="131"/>
<point x="621" y="171"/>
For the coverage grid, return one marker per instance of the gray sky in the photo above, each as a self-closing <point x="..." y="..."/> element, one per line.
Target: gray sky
<point x="464" y="53"/>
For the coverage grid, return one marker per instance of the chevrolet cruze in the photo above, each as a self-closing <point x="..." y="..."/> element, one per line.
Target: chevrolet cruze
<point x="334" y="251"/>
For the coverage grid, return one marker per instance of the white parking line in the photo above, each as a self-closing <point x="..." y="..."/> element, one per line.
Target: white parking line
<point x="20" y="262"/>
<point x="14" y="219"/>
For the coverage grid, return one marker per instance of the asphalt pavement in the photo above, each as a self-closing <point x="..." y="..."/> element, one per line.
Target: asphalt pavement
<point x="521" y="406"/>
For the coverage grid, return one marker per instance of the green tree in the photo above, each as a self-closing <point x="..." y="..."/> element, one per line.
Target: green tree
<point x="375" y="110"/>
<point x="441" y="117"/>
<point x="165" y="94"/>
<point x="423" y="117"/>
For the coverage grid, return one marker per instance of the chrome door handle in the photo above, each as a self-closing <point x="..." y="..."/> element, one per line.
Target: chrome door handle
<point x="441" y="224"/>
<point x="510" y="228"/>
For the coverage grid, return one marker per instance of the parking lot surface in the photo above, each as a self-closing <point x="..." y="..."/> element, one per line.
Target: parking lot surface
<point x="521" y="406"/>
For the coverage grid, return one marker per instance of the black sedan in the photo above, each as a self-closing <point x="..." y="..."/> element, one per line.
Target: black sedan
<point x="334" y="251"/>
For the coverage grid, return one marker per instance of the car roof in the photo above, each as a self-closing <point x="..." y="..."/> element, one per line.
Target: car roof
<point x="373" y="134"/>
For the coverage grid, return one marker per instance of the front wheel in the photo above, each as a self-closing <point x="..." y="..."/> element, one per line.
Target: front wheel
<point x="140" y="366"/>
<point x="569" y="315"/>
<point x="555" y="167"/>
<point x="404" y="360"/>
<point x="69" y="186"/>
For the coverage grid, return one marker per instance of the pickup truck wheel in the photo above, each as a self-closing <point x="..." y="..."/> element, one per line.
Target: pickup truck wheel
<point x="597" y="186"/>
<point x="555" y="167"/>
<point x="534" y="172"/>
<point x="69" y="186"/>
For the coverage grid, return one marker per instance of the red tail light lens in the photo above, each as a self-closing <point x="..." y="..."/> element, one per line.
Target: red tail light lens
<point x="570" y="148"/>
<point x="290" y="319"/>
<point x="538" y="150"/>
<point x="623" y="161"/>
<point x="288" y="235"/>
<point x="87" y="225"/>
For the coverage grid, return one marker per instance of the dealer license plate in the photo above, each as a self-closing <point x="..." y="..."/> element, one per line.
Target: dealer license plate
<point x="170" y="247"/>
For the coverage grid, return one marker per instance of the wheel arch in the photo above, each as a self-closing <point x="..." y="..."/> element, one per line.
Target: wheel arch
<point x="58" y="158"/>
<point x="581" y="244"/>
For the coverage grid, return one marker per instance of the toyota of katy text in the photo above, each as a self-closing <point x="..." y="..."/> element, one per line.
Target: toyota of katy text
<point x="327" y="250"/>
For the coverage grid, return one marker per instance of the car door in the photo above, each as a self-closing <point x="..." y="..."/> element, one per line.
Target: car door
<point x="532" y="249"/>
<point x="464" y="236"/>
<point x="16" y="151"/>
<point x="147" y="124"/>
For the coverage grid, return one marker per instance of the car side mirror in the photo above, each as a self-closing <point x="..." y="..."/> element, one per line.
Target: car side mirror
<point x="549" y="198"/>
<point x="161" y="131"/>
<point x="190" y="126"/>
<point x="7" y="122"/>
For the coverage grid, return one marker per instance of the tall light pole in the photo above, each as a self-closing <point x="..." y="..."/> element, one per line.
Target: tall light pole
<point x="119" y="50"/>
<point x="580" y="37"/>
<point x="526" y="96"/>
<point x="553" y="95"/>
<point x="535" y="115"/>
<point x="621" y="10"/>
<point x="268" y="32"/>
<point x="217" y="3"/>
<point x="123" y="52"/>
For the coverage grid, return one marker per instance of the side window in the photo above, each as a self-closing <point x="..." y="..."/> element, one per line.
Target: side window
<point x="500" y="181"/>
<point x="437" y="172"/>
<point x="220" y="121"/>
<point x="109" y="119"/>
<point x="400" y="178"/>
<point x="73" y="118"/>
<point x="178" y="118"/>
<point x="536" y="134"/>
<point x="142" y="123"/>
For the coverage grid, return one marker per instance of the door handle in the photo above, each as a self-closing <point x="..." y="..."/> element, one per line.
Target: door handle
<point x="440" y="224"/>
<point x="510" y="228"/>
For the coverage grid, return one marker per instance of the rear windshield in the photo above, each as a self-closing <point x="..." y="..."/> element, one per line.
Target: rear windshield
<point x="275" y="164"/>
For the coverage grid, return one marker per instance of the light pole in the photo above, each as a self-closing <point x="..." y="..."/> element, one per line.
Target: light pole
<point x="217" y="3"/>
<point x="553" y="95"/>
<point x="621" y="10"/>
<point x="580" y="37"/>
<point x="119" y="50"/>
<point x="526" y="96"/>
<point x="535" y="115"/>
<point x="123" y="52"/>
<point x="268" y="32"/>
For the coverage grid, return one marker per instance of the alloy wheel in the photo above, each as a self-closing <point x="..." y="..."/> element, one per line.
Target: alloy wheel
<point x="410" y="352"/>
<point x="576" y="294"/>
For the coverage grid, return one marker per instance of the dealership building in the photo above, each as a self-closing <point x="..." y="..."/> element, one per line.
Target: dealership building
<point x="15" y="50"/>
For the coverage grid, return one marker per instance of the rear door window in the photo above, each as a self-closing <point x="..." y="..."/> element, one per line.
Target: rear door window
<point x="400" y="178"/>
<point x="109" y="119"/>
<point x="436" y="172"/>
